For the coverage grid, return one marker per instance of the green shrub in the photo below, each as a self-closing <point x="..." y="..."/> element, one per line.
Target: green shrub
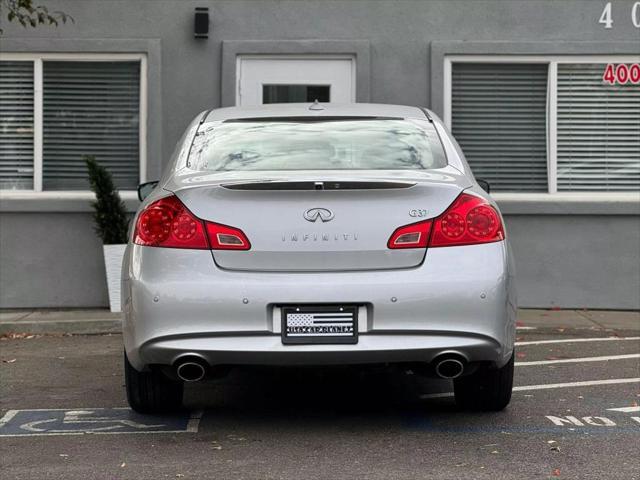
<point x="110" y="215"/>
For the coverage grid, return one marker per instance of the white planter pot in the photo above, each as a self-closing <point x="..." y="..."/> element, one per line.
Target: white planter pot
<point x="113" y="265"/>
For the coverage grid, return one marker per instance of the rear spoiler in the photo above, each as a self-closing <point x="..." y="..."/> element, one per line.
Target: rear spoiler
<point x="318" y="185"/>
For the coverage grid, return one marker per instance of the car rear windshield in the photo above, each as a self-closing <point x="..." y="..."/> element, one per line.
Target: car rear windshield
<point x="336" y="144"/>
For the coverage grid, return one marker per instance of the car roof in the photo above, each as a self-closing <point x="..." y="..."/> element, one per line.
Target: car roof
<point x="278" y="110"/>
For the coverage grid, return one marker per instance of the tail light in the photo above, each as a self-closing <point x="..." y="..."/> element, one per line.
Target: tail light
<point x="168" y="223"/>
<point x="469" y="220"/>
<point x="223" y="237"/>
<point x="415" y="235"/>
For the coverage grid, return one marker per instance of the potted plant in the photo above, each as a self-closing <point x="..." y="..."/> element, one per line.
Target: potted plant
<point x="111" y="225"/>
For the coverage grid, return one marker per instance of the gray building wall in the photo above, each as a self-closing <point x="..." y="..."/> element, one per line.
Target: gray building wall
<point x="568" y="253"/>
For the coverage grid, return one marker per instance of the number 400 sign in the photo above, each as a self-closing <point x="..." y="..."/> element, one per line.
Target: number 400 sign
<point x="621" y="74"/>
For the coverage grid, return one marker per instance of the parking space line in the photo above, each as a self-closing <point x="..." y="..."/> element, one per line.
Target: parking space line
<point x="587" y="383"/>
<point x="548" y="386"/>
<point x="579" y="360"/>
<point x="7" y="417"/>
<point x="626" y="409"/>
<point x="194" y="421"/>
<point x="577" y="340"/>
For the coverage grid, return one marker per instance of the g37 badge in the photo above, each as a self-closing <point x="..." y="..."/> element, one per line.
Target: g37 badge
<point x="418" y="212"/>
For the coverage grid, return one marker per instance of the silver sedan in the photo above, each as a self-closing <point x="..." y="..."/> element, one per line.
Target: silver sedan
<point x="300" y="234"/>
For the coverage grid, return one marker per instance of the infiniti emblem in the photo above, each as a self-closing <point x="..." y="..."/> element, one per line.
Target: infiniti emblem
<point x="314" y="214"/>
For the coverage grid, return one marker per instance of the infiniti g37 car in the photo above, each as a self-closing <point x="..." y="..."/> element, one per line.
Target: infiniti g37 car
<point x="317" y="235"/>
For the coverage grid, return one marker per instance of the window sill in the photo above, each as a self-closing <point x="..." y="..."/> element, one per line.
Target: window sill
<point x="583" y="203"/>
<point x="61" y="202"/>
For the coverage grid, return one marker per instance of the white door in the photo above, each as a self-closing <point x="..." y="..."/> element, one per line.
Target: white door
<point x="286" y="78"/>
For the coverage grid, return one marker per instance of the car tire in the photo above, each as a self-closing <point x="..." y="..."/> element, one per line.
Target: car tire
<point x="152" y="391"/>
<point x="487" y="389"/>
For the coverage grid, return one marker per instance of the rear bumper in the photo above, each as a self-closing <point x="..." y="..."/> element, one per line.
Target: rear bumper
<point x="177" y="302"/>
<point x="269" y="350"/>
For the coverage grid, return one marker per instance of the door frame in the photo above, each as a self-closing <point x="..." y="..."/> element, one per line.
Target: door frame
<point x="352" y="58"/>
<point x="232" y="49"/>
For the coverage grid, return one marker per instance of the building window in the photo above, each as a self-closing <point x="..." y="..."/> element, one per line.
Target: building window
<point x="598" y="131"/>
<point x="16" y="125"/>
<point x="499" y="119"/>
<point x="55" y="110"/>
<point x="296" y="93"/>
<point x="546" y="125"/>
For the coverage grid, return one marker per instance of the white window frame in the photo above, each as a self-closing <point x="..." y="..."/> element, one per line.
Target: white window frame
<point x="552" y="115"/>
<point x="38" y="59"/>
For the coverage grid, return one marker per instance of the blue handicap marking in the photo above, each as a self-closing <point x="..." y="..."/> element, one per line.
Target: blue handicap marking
<point x="94" y="420"/>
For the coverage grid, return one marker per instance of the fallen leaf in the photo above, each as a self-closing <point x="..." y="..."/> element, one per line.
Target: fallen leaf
<point x="18" y="336"/>
<point x="521" y="355"/>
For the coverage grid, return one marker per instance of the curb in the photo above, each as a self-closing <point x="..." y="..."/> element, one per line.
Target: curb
<point x="62" y="327"/>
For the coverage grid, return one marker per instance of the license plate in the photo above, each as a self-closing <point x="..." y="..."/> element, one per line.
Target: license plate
<point x="320" y="324"/>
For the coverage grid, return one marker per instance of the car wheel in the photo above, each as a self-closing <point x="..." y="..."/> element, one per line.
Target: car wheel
<point x="487" y="389"/>
<point x="152" y="391"/>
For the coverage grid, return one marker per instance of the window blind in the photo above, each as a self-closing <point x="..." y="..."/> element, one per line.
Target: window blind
<point x="498" y="114"/>
<point x="90" y="108"/>
<point x="16" y="125"/>
<point x="598" y="131"/>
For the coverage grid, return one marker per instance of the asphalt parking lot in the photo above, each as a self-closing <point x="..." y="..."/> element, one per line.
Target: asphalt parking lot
<point x="574" y="414"/>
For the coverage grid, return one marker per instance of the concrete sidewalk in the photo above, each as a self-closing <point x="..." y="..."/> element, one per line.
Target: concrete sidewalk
<point x="99" y="321"/>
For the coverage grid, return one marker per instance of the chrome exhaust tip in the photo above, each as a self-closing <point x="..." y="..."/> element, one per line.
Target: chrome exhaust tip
<point x="190" y="371"/>
<point x="449" y="368"/>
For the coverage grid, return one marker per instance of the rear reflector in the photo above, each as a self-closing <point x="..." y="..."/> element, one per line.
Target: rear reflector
<point x="168" y="223"/>
<point x="469" y="220"/>
<point x="415" y="235"/>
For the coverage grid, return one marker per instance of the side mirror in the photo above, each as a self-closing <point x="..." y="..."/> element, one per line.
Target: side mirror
<point x="144" y="189"/>
<point x="484" y="185"/>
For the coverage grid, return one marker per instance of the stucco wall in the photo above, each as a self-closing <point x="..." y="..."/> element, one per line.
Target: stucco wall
<point x="49" y="257"/>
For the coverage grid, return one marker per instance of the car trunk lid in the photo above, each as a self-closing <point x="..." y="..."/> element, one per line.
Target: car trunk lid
<point x="298" y="221"/>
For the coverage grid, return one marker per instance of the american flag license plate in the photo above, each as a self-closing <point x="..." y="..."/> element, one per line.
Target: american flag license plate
<point x="320" y="324"/>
